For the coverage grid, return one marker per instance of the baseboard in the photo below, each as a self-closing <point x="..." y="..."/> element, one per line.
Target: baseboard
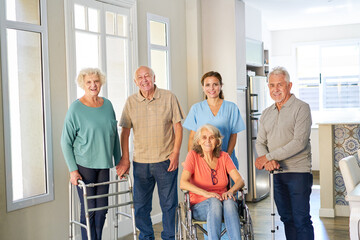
<point x="342" y="210"/>
<point x="327" y="212"/>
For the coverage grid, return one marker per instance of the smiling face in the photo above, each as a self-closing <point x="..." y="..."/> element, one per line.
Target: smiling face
<point x="92" y="85"/>
<point x="279" y="88"/>
<point x="145" y="79"/>
<point x="207" y="141"/>
<point x="211" y="87"/>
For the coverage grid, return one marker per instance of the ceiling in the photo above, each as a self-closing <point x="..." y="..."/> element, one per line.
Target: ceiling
<point x="292" y="14"/>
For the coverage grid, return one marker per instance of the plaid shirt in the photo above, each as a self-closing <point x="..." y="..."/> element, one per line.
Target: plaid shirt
<point x="152" y="123"/>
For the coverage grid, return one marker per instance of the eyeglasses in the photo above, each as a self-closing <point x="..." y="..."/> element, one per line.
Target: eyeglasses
<point x="213" y="177"/>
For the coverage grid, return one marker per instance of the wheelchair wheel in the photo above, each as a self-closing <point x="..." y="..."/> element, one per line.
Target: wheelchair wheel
<point x="181" y="229"/>
<point x="247" y="227"/>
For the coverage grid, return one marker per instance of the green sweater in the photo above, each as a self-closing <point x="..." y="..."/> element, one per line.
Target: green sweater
<point x="90" y="137"/>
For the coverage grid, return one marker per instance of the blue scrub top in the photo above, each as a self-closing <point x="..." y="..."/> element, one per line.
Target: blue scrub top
<point x="228" y="120"/>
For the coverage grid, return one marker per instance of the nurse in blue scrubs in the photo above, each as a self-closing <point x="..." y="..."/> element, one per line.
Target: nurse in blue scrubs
<point x="216" y="111"/>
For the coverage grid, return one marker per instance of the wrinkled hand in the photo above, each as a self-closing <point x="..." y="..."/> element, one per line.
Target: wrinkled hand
<point x="123" y="167"/>
<point x="74" y="177"/>
<point x="260" y="162"/>
<point x="174" y="161"/>
<point x="272" y="165"/>
<point x="228" y="195"/>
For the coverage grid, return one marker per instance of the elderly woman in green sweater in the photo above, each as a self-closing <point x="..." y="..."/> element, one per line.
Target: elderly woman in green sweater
<point x="89" y="142"/>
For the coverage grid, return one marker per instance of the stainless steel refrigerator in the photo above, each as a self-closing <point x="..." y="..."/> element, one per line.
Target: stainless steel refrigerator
<point x="257" y="96"/>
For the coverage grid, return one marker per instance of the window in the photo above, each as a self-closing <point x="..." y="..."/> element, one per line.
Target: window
<point x="102" y="37"/>
<point x="159" y="49"/>
<point x="26" y="103"/>
<point x="328" y="78"/>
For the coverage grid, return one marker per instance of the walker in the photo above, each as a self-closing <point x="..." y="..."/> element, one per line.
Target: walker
<point x="116" y="205"/>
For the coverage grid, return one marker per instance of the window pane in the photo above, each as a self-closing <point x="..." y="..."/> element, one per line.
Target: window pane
<point x="26" y="114"/>
<point x="308" y="61"/>
<point x="340" y="71"/>
<point x="310" y="94"/>
<point x="23" y="11"/>
<point x="159" y="65"/>
<point x="116" y="58"/>
<point x="93" y="20"/>
<point x="341" y="92"/>
<point x="79" y="17"/>
<point x="121" y="25"/>
<point x="158" y="33"/>
<point x="87" y="53"/>
<point x="110" y="23"/>
<point x="340" y="60"/>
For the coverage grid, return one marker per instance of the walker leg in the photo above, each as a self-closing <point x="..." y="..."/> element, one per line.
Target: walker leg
<point x="70" y="211"/>
<point x="272" y="205"/>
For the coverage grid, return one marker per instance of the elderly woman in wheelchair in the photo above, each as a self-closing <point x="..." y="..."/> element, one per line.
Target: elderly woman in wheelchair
<point x="205" y="176"/>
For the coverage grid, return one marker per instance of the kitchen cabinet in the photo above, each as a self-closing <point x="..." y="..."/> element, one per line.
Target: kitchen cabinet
<point x="254" y="53"/>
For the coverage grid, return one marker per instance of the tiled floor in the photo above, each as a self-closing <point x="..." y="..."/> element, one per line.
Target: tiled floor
<point x="325" y="228"/>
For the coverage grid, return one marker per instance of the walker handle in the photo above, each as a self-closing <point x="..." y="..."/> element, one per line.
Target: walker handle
<point x="278" y="170"/>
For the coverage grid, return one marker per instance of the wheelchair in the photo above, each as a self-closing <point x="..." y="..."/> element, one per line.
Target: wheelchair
<point x="186" y="227"/>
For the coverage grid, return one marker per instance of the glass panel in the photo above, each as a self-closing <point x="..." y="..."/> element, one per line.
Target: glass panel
<point x="308" y="60"/>
<point x="23" y="11"/>
<point x="121" y="25"/>
<point x="110" y="23"/>
<point x="340" y="68"/>
<point x="116" y="58"/>
<point x="26" y="114"/>
<point x="93" y="16"/>
<point x="87" y="53"/>
<point x="341" y="92"/>
<point x="310" y="94"/>
<point x="340" y="60"/>
<point x="158" y="33"/>
<point x="159" y="65"/>
<point x="79" y="17"/>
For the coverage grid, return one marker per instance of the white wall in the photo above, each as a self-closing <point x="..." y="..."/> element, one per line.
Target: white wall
<point x="219" y="42"/>
<point x="253" y="23"/>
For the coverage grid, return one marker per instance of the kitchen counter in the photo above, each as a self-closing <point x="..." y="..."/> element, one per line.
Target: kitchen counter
<point x="336" y="141"/>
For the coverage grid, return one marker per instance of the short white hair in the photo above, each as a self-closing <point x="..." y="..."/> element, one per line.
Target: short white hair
<point x="280" y="71"/>
<point x="89" y="71"/>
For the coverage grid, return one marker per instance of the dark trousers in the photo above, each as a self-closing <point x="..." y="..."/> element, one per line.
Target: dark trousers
<point x="146" y="175"/>
<point x="97" y="218"/>
<point x="292" y="197"/>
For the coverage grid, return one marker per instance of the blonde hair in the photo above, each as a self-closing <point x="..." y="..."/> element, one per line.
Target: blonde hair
<point x="90" y="71"/>
<point x="196" y="146"/>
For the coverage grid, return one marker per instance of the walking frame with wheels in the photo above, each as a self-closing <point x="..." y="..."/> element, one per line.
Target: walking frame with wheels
<point x="116" y="205"/>
<point x="186" y="226"/>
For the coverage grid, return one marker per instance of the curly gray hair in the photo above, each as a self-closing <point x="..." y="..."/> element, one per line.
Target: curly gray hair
<point x="196" y="146"/>
<point x="90" y="71"/>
